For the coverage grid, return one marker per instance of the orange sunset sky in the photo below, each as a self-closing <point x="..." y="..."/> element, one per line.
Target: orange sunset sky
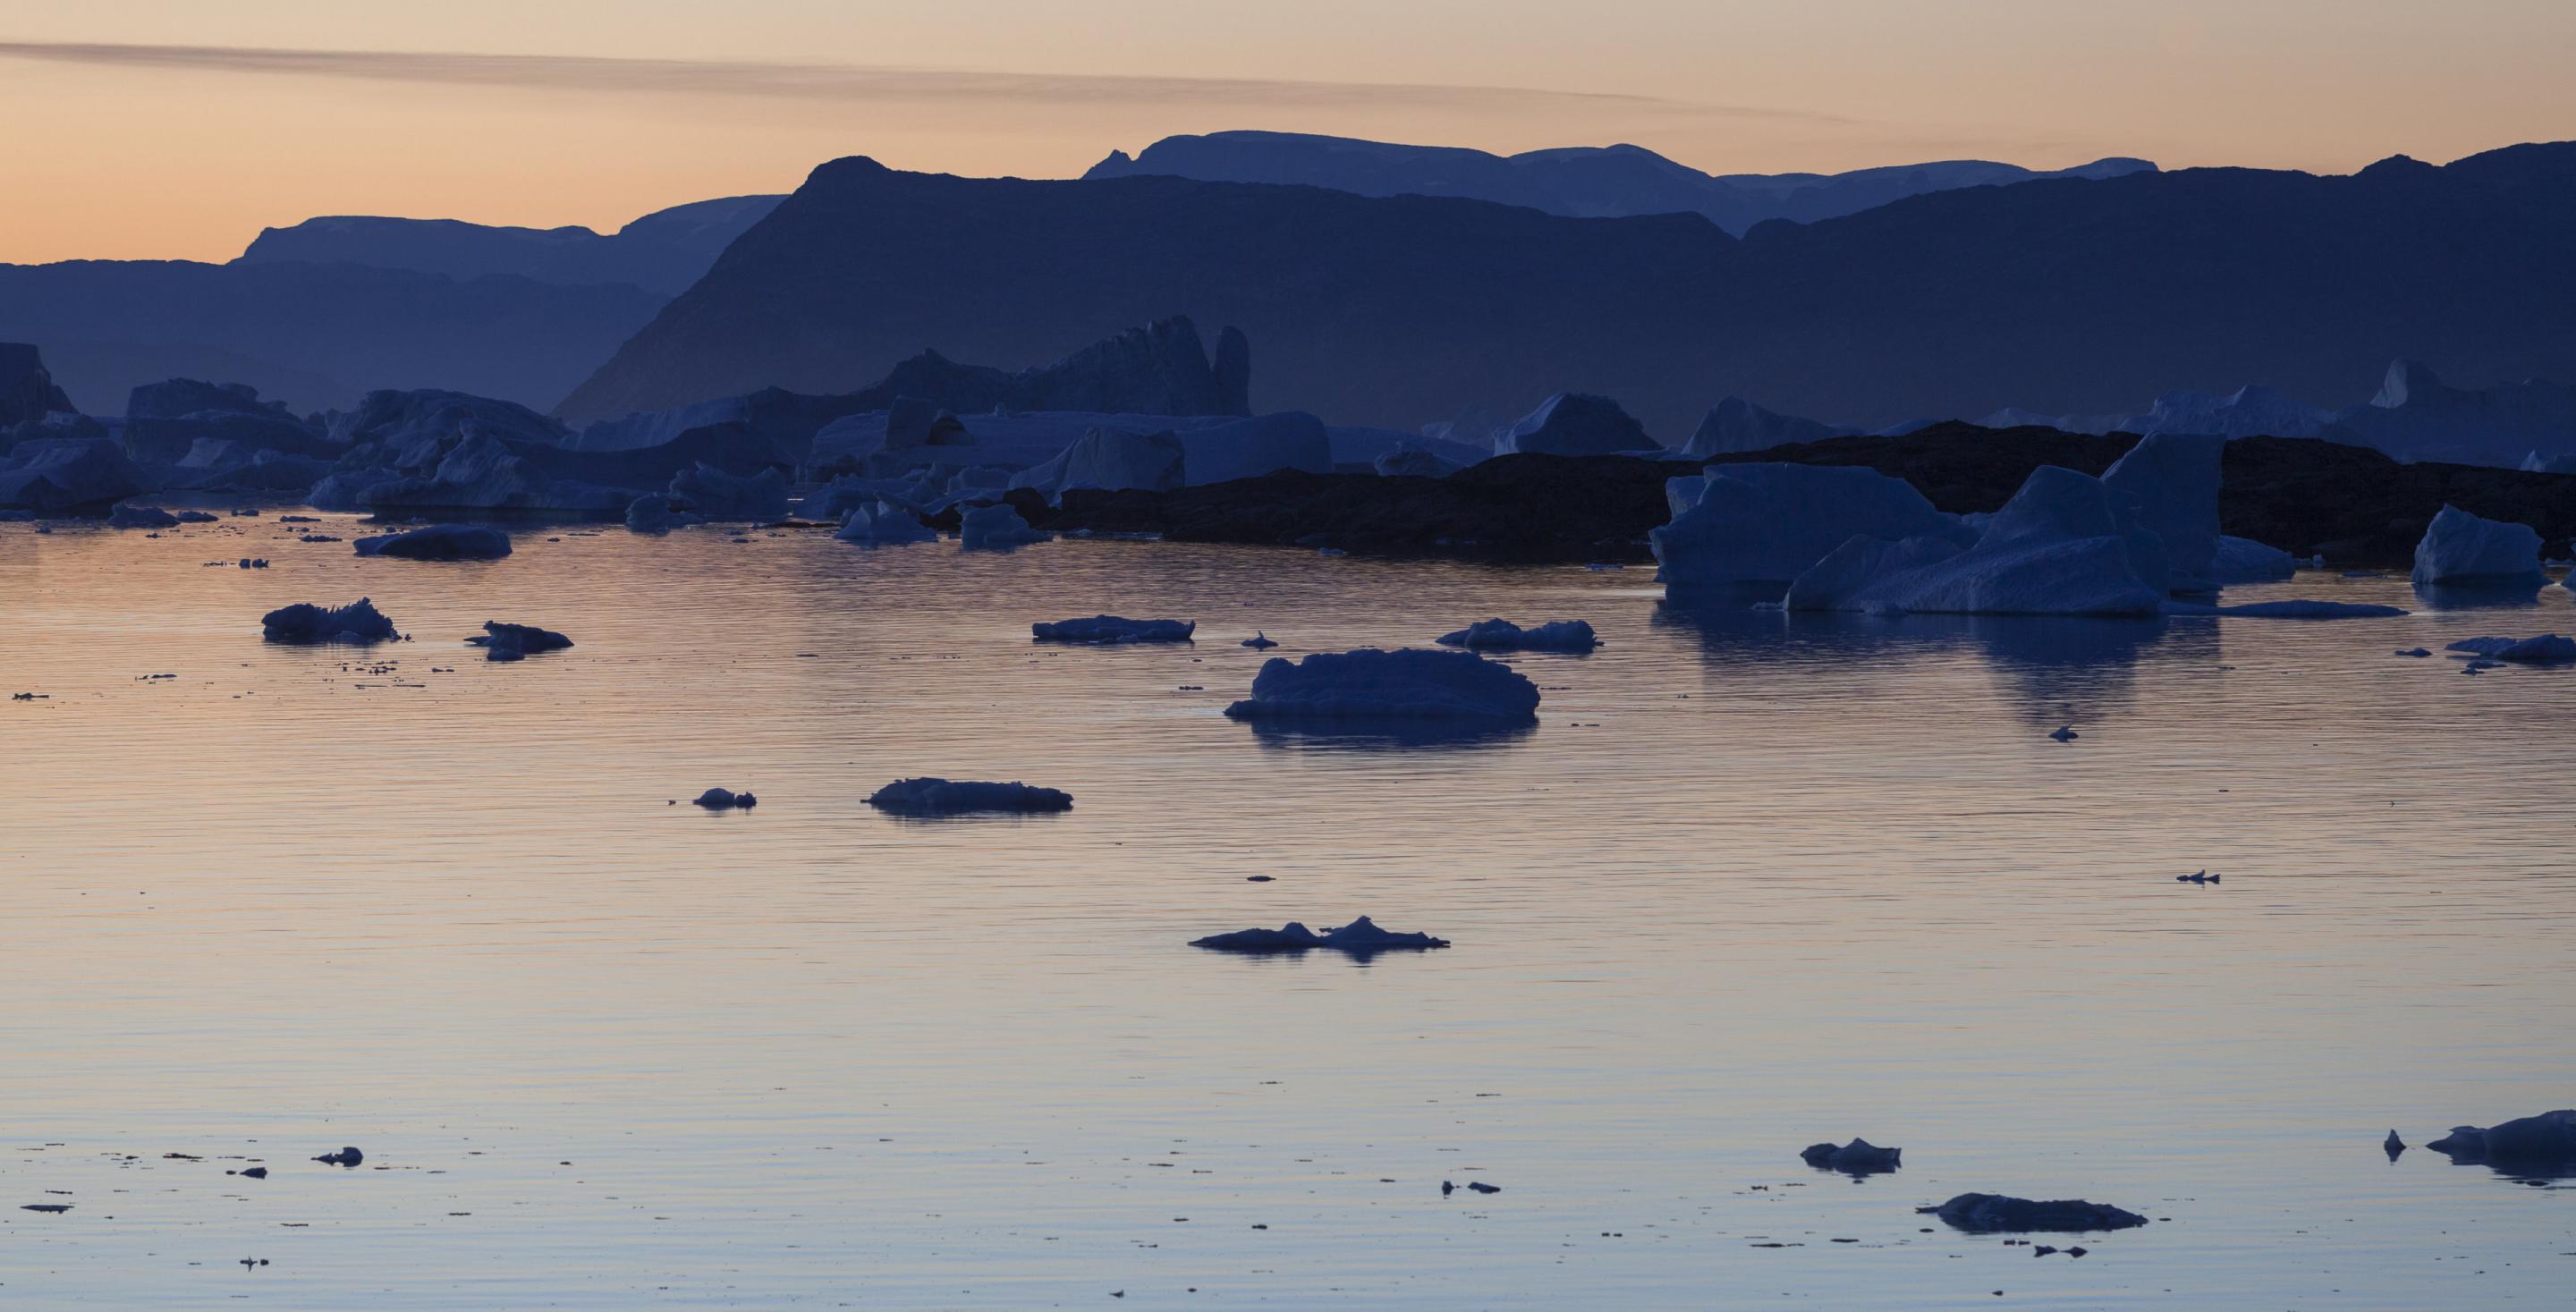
<point x="178" y="128"/>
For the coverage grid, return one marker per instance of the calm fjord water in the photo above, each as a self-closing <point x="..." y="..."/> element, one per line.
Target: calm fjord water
<point x="1755" y="881"/>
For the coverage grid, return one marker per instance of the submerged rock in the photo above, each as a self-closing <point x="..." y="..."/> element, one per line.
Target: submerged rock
<point x="932" y="796"/>
<point x="1503" y="635"/>
<point x="2544" y="1141"/>
<point x="1372" y="684"/>
<point x="1361" y="937"/>
<point x="359" y="622"/>
<point x="1109" y="630"/>
<point x="724" y="799"/>
<point x="1998" y="1214"/>
<point x="1859" y="1157"/>
<point x="439" y="542"/>
<point x="510" y="642"/>
<point x="2460" y="547"/>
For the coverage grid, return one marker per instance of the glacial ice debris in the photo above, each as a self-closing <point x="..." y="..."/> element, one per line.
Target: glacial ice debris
<point x="60" y="475"/>
<point x="1771" y="522"/>
<point x="2547" y="649"/>
<point x="2064" y="545"/>
<point x="1999" y="1214"/>
<point x="1249" y="448"/>
<point x="715" y="494"/>
<point x="439" y="542"/>
<point x="2459" y="547"/>
<point x="1859" y="1157"/>
<point x="509" y="642"/>
<point x="1110" y="459"/>
<point x="929" y="796"/>
<point x="997" y="525"/>
<point x="133" y="516"/>
<point x="1407" y="684"/>
<point x="1503" y="635"/>
<point x="2173" y="479"/>
<point x="359" y="622"/>
<point x="1360" y="938"/>
<point x="1111" y="630"/>
<point x="2544" y="1141"/>
<point x="660" y="512"/>
<point x="1575" y="424"/>
<point x="725" y="799"/>
<point x="883" y="524"/>
<point x="2244" y="560"/>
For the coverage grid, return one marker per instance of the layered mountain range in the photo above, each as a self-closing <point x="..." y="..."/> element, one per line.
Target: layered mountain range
<point x="2063" y="295"/>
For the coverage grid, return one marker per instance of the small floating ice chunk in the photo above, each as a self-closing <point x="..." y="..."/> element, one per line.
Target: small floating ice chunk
<point x="931" y="796"/>
<point x="1361" y="937"/>
<point x="510" y="642"/>
<point x="1111" y="630"/>
<point x="1259" y="641"/>
<point x="2411" y="651"/>
<point x="884" y="524"/>
<point x="725" y="799"/>
<point x="440" y="542"/>
<point x="996" y="525"/>
<point x="2547" y="649"/>
<point x="1370" y="684"/>
<point x="660" y="512"/>
<point x="358" y="622"/>
<point x="1503" y="635"/>
<point x="2393" y="1145"/>
<point x="1998" y="1214"/>
<point x="2065" y="733"/>
<point x="348" y="1157"/>
<point x="1859" y="1157"/>
<point x="2199" y="877"/>
<point x="2458" y="546"/>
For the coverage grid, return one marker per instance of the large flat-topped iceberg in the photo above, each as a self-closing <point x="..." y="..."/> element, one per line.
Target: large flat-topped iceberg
<point x="1771" y="522"/>
<point x="2064" y="545"/>
<point x="1110" y="459"/>
<point x="1408" y="684"/>
<point x="1249" y="448"/>
<point x="2459" y="547"/>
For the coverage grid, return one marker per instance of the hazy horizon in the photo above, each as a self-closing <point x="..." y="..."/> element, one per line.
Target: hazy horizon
<point x="595" y="113"/>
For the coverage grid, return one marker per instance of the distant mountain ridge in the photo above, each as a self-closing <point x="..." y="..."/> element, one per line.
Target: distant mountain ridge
<point x="661" y="252"/>
<point x="1578" y="182"/>
<point x="2066" y="296"/>
<point x="313" y="335"/>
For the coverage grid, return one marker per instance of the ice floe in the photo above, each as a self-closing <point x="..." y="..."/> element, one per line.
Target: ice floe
<point x="509" y="642"/>
<point x="1108" y="630"/>
<point x="1859" y="1157"/>
<point x="2547" y="649"/>
<point x="931" y="796"/>
<point x="1503" y="635"/>
<point x="1407" y="684"/>
<point x="358" y="622"/>
<point x="1999" y="1214"/>
<point x="1360" y="938"/>
<point x="2544" y="1141"/>
<point x="439" y="542"/>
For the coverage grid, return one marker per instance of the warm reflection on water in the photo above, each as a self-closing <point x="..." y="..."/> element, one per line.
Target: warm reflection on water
<point x="1755" y="881"/>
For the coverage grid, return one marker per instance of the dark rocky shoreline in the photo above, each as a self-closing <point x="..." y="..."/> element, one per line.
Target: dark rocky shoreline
<point x="2351" y="504"/>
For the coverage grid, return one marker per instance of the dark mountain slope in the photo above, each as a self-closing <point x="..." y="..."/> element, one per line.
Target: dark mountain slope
<point x="2081" y="296"/>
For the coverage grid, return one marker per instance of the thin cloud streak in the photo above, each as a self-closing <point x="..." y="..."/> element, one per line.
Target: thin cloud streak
<point x="852" y="82"/>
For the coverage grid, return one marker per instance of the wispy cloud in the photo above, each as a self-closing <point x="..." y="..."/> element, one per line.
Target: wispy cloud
<point x="854" y="82"/>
